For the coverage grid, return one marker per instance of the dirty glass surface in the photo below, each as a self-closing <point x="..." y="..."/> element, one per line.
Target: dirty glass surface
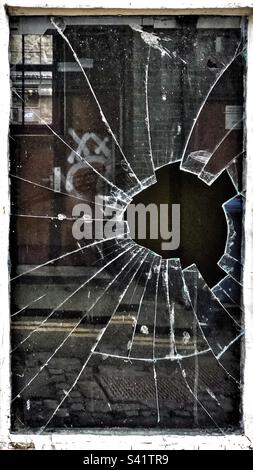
<point x="111" y="327"/>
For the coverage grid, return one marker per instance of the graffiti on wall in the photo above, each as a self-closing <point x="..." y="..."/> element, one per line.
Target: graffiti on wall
<point x="94" y="151"/>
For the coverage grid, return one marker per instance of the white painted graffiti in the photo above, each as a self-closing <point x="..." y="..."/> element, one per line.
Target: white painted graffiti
<point x="100" y="153"/>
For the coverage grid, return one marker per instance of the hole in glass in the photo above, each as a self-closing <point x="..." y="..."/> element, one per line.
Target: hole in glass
<point x="200" y="212"/>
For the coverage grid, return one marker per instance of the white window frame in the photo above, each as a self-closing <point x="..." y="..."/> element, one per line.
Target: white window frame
<point x="110" y="439"/>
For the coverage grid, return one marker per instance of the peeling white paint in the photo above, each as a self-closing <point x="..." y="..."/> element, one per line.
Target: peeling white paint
<point x="248" y="268"/>
<point x="102" y="6"/>
<point x="4" y="229"/>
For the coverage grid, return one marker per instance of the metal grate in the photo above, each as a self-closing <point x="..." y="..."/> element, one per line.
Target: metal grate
<point x="141" y="387"/>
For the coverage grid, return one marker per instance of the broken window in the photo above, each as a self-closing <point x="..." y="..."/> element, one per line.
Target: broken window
<point x="127" y="196"/>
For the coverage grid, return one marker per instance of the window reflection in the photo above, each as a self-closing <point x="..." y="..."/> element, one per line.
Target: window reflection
<point x="109" y="331"/>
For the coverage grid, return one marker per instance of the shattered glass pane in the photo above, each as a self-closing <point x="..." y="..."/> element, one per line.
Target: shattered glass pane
<point x="123" y="317"/>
